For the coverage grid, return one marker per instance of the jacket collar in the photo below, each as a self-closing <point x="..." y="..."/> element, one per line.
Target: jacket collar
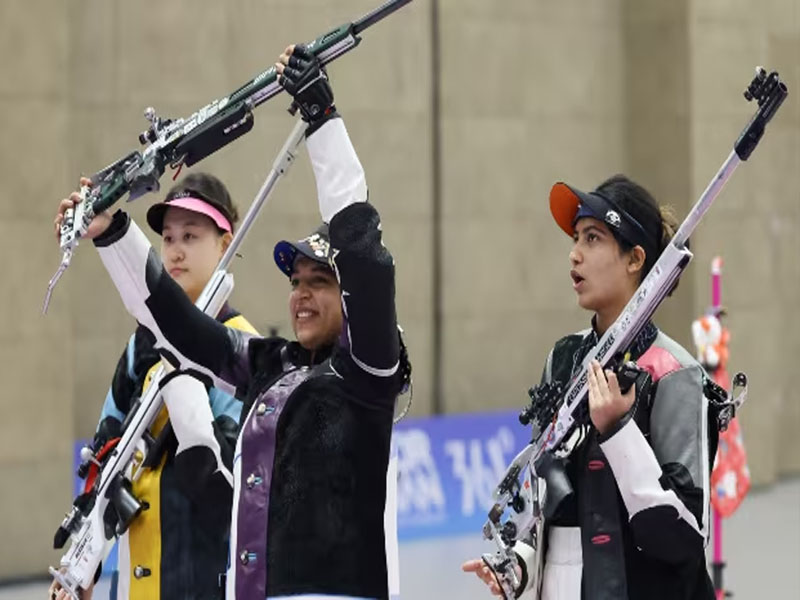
<point x="639" y="346"/>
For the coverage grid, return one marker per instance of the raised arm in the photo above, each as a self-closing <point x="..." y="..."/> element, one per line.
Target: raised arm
<point x="183" y="333"/>
<point x="363" y="265"/>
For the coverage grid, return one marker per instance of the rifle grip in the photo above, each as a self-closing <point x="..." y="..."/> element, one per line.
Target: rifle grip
<point x="627" y="373"/>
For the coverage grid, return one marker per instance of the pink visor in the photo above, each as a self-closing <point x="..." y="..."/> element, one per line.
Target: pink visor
<point x="155" y="215"/>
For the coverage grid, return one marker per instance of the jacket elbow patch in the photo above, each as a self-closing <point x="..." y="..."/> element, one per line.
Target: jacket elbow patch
<point x="195" y="467"/>
<point x="661" y="533"/>
<point x="676" y="477"/>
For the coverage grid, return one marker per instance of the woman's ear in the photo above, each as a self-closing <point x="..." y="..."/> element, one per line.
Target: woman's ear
<point x="227" y="238"/>
<point x="636" y="259"/>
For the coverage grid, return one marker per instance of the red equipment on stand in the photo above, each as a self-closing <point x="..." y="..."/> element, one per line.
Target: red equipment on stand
<point x="730" y="477"/>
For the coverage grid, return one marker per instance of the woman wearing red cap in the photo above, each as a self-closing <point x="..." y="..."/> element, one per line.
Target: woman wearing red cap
<point x="177" y="547"/>
<point x="633" y="520"/>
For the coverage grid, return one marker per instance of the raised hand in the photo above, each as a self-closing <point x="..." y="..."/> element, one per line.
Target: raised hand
<point x="301" y="74"/>
<point x="99" y="224"/>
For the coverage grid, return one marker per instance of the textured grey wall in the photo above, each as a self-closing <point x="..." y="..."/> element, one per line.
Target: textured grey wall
<point x="755" y="227"/>
<point x="531" y="92"/>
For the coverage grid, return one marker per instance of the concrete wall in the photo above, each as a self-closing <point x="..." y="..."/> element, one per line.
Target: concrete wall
<point x="755" y="225"/>
<point x="505" y="292"/>
<point x="37" y="398"/>
<point x="528" y="95"/>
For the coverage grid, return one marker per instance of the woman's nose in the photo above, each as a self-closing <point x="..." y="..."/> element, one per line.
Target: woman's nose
<point x="574" y="256"/>
<point x="302" y="291"/>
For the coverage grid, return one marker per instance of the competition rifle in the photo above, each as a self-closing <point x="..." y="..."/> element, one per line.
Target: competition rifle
<point x="182" y="142"/>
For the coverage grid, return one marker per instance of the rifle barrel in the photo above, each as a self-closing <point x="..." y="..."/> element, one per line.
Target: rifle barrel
<point x="376" y="15"/>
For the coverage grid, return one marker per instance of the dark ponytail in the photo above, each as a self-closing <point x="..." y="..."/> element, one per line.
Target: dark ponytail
<point x="658" y="222"/>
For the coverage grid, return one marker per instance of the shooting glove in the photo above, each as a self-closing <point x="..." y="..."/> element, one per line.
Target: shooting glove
<point x="305" y="79"/>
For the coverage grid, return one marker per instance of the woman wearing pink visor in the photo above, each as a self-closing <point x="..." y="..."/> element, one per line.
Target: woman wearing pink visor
<point x="632" y="520"/>
<point x="177" y="548"/>
<point x="195" y="228"/>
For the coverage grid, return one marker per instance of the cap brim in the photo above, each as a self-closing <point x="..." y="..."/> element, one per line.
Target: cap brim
<point x="157" y="212"/>
<point x="155" y="216"/>
<point x="564" y="203"/>
<point x="286" y="252"/>
<point x="190" y="204"/>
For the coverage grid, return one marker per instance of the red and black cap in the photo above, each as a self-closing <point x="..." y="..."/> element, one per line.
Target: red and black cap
<point x="568" y="204"/>
<point x="316" y="246"/>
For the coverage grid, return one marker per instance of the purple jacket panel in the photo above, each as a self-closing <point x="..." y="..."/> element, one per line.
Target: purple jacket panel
<point x="257" y="456"/>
